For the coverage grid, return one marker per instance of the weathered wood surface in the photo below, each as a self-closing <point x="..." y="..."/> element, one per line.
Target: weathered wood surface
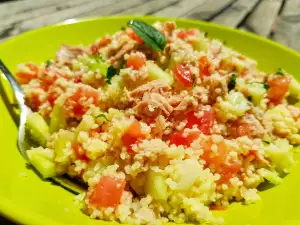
<point x="276" y="19"/>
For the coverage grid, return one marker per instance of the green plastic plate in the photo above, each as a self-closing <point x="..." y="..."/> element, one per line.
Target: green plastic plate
<point x="26" y="199"/>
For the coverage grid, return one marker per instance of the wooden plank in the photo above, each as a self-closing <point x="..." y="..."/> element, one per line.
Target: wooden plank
<point x="234" y="15"/>
<point x="26" y="15"/>
<point x="287" y="27"/>
<point x="12" y="8"/>
<point x="179" y="9"/>
<point x="57" y="16"/>
<point x="209" y="9"/>
<point x="116" y="8"/>
<point x="263" y="17"/>
<point x="149" y="7"/>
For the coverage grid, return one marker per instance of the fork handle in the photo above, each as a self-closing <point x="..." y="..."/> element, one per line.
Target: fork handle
<point x="14" y="84"/>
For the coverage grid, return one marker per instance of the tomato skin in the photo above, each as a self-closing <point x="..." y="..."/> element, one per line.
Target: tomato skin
<point x="135" y="62"/>
<point x="239" y="129"/>
<point x="130" y="32"/>
<point x="132" y="135"/>
<point x="24" y="78"/>
<point x="184" y="34"/>
<point x="108" y="192"/>
<point x="205" y="123"/>
<point x="227" y="171"/>
<point x="278" y="88"/>
<point x="183" y="75"/>
<point x="94" y="48"/>
<point x="78" y="154"/>
<point x="179" y="139"/>
<point x="217" y="207"/>
<point x="204" y="66"/>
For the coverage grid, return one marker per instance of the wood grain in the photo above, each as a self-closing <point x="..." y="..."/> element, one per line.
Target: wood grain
<point x="58" y="16"/>
<point x="263" y="17"/>
<point x="148" y="7"/>
<point x="180" y="9"/>
<point x="209" y="9"/>
<point x="114" y="9"/>
<point x="234" y="14"/>
<point x="287" y="27"/>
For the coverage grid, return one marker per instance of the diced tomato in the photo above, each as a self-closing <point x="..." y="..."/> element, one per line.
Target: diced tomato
<point x="205" y="123"/>
<point x="80" y="156"/>
<point x="204" y="66"/>
<point x="132" y="135"/>
<point x="136" y="62"/>
<point x="24" y="77"/>
<point x="77" y="79"/>
<point x="252" y="155"/>
<point x="108" y="192"/>
<point x="94" y="48"/>
<point x="34" y="101"/>
<point x="244" y="72"/>
<point x="239" y="129"/>
<point x="184" y="34"/>
<point x="130" y="32"/>
<point x="179" y="139"/>
<point x="227" y="171"/>
<point x="95" y="131"/>
<point x="183" y="75"/>
<point x="278" y="88"/>
<point x="72" y="104"/>
<point x="52" y="95"/>
<point x="214" y="159"/>
<point x="217" y="207"/>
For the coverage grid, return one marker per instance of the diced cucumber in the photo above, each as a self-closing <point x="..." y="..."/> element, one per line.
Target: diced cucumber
<point x="85" y="125"/>
<point x="138" y="184"/>
<point x="199" y="44"/>
<point x="58" y="119"/>
<point x="156" y="186"/>
<point x="272" y="177"/>
<point x="186" y="173"/>
<point x="294" y="88"/>
<point x="281" y="155"/>
<point x="63" y="138"/>
<point x="42" y="164"/>
<point x="95" y="65"/>
<point x="37" y="128"/>
<point x="257" y="92"/>
<point x="156" y="73"/>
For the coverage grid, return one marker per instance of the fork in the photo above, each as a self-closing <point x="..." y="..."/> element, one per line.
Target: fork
<point x="23" y="142"/>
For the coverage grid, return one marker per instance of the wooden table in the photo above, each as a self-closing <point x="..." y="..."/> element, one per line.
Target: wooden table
<point x="275" y="19"/>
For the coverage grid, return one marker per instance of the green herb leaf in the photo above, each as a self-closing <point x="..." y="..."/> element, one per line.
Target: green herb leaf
<point x="205" y="34"/>
<point x="267" y="142"/>
<point x="155" y="39"/>
<point x="97" y="57"/>
<point x="102" y="115"/>
<point x="279" y="72"/>
<point x="249" y="98"/>
<point x="48" y="63"/>
<point x="111" y="72"/>
<point x="232" y="82"/>
<point x="123" y="28"/>
<point x="194" y="81"/>
<point x="266" y="86"/>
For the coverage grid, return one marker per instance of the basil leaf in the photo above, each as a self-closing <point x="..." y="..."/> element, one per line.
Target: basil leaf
<point x="155" y="39"/>
<point x="279" y="72"/>
<point x="102" y="115"/>
<point x="266" y="86"/>
<point x="48" y="63"/>
<point x="110" y="73"/>
<point x="232" y="82"/>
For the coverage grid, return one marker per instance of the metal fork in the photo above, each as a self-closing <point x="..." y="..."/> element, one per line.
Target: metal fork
<point x="23" y="142"/>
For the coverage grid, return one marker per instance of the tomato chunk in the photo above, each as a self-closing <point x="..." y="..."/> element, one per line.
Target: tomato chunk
<point x="184" y="34"/>
<point x="130" y="32"/>
<point x="239" y="129"/>
<point x="214" y="159"/>
<point x="135" y="62"/>
<point x="179" y="139"/>
<point x="217" y="207"/>
<point x="278" y="88"/>
<point x="80" y="155"/>
<point x="227" y="171"/>
<point x="25" y="77"/>
<point x="204" y="66"/>
<point x="132" y="135"/>
<point x="183" y="75"/>
<point x="108" y="192"/>
<point x="205" y="123"/>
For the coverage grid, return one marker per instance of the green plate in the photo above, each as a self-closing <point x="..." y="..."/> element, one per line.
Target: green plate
<point x="26" y="199"/>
